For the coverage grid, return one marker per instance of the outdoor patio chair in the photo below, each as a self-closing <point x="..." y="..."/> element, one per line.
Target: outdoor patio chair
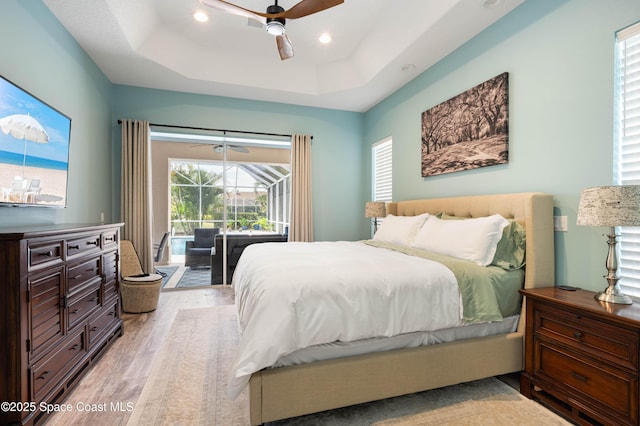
<point x="160" y="251"/>
<point x="198" y="251"/>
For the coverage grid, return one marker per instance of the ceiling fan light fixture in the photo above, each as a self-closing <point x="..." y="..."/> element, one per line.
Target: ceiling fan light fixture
<point x="275" y="27"/>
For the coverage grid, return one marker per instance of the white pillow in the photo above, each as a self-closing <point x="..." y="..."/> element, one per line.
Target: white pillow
<point x="399" y="229"/>
<point x="469" y="239"/>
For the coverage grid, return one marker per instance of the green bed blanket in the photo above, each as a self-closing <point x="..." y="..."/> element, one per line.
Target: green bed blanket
<point x="489" y="293"/>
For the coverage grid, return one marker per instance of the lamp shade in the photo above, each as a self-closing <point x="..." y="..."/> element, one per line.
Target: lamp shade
<point x="375" y="209"/>
<point x="610" y="206"/>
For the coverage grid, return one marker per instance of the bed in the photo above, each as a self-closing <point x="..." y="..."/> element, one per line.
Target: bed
<point x="291" y="391"/>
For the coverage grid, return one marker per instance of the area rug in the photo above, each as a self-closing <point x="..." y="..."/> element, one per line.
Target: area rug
<point x="168" y="271"/>
<point x="198" y="277"/>
<point x="188" y="382"/>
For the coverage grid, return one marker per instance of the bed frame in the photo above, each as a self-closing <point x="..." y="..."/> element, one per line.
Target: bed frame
<point x="285" y="392"/>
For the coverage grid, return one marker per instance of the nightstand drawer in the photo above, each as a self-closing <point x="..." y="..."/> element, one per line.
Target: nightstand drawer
<point x="612" y="389"/>
<point x="606" y="341"/>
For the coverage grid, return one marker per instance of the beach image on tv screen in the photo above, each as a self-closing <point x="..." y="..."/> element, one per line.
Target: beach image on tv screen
<point x="34" y="149"/>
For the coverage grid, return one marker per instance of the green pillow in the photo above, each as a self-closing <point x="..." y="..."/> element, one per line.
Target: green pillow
<point x="510" y="252"/>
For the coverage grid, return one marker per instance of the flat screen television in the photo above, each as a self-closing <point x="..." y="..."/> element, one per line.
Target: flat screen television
<point x="34" y="150"/>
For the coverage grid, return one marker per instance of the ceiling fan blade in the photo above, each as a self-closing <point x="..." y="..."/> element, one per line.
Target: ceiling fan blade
<point x="238" y="148"/>
<point x="308" y="7"/>
<point x="235" y="10"/>
<point x="285" y="49"/>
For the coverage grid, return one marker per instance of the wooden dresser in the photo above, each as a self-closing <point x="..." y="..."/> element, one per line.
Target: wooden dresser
<point x="59" y="311"/>
<point x="581" y="356"/>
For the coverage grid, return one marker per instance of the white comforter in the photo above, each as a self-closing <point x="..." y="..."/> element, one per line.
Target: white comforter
<point x="294" y="295"/>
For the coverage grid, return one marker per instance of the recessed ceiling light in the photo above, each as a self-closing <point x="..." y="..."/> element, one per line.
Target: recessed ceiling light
<point x="325" y="38"/>
<point x="408" y="67"/>
<point x="200" y="16"/>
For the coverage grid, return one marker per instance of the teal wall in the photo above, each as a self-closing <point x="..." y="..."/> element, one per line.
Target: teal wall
<point x="40" y="56"/>
<point x="559" y="56"/>
<point x="337" y="152"/>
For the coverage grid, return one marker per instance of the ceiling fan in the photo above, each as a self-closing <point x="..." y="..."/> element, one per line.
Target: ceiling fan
<point x="237" y="148"/>
<point x="220" y="147"/>
<point x="274" y="18"/>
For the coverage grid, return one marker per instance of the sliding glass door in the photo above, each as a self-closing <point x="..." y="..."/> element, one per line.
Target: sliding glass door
<point x="243" y="194"/>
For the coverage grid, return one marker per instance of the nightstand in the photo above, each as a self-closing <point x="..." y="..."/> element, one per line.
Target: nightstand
<point x="581" y="356"/>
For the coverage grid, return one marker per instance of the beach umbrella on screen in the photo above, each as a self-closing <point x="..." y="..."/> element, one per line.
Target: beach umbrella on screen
<point x="23" y="126"/>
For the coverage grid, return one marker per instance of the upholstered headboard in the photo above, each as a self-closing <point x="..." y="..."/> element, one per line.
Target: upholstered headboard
<point x="533" y="210"/>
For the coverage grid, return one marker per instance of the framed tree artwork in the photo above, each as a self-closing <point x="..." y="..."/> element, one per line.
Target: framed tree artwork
<point x="468" y="131"/>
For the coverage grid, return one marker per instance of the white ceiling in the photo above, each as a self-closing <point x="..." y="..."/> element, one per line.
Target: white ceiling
<point x="158" y="44"/>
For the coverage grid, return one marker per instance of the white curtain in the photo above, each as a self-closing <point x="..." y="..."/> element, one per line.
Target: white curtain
<point x="300" y="217"/>
<point x="135" y="192"/>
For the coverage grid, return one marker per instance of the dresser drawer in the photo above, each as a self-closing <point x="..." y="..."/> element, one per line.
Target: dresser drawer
<point x="45" y="253"/>
<point x="84" y="273"/>
<point x="83" y="304"/>
<point x="606" y="341"/>
<point x="83" y="245"/>
<point x="110" y="240"/>
<point x="594" y="383"/>
<point x="47" y="373"/>
<point x="46" y="311"/>
<point x="99" y="324"/>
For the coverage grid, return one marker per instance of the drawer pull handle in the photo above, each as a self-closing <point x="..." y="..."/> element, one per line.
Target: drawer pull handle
<point x="578" y="376"/>
<point x="76" y="277"/>
<point x="75" y="311"/>
<point x="577" y="335"/>
<point x="110" y="238"/>
<point x="76" y="247"/>
<point x="92" y="243"/>
<point x="94" y="328"/>
<point x="46" y="253"/>
<point x="43" y="375"/>
<point x="74" y="347"/>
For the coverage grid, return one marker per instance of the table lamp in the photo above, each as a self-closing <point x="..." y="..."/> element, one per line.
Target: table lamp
<point x="610" y="206"/>
<point x="375" y="209"/>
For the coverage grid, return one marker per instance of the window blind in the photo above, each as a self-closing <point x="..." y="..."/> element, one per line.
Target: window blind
<point x="627" y="147"/>
<point x="382" y="170"/>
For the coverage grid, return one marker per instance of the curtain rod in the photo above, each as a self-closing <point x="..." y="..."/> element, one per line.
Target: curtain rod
<point x="172" y="126"/>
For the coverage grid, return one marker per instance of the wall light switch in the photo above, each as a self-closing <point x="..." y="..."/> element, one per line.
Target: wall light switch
<point x="560" y="224"/>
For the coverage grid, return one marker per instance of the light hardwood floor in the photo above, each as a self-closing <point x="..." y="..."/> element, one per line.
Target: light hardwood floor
<point x="122" y="372"/>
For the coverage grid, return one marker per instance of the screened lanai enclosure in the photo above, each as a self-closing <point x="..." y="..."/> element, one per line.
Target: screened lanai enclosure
<point x="256" y="197"/>
<point x="203" y="179"/>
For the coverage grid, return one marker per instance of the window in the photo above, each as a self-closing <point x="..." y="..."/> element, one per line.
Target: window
<point x="382" y="176"/>
<point x="627" y="147"/>
<point x="257" y="196"/>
